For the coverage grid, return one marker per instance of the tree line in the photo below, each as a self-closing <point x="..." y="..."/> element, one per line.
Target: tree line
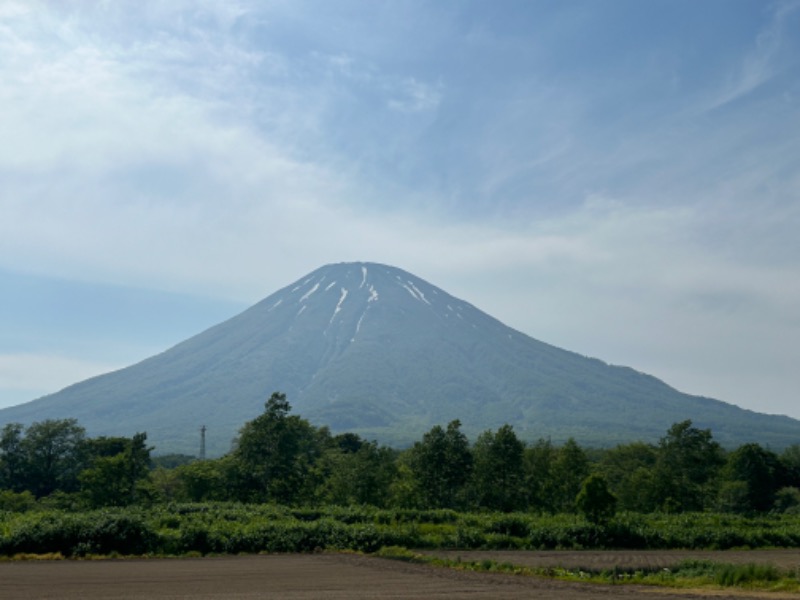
<point x="281" y="458"/>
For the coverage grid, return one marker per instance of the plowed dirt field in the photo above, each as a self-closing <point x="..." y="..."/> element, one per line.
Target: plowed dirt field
<point x="333" y="576"/>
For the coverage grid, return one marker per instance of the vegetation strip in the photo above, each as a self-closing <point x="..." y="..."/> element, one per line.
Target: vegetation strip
<point x="687" y="574"/>
<point x="281" y="458"/>
<point x="232" y="528"/>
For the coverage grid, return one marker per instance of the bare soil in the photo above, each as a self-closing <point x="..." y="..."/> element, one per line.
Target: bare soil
<point x="333" y="576"/>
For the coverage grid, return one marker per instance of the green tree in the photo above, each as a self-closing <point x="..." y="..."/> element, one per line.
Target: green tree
<point x="106" y="482"/>
<point x="628" y="469"/>
<point x="117" y="469"/>
<point x="732" y="497"/>
<point x="276" y="453"/>
<point x="171" y="461"/>
<point x="790" y="459"/>
<point x="759" y="471"/>
<point x="498" y="472"/>
<point x="540" y="483"/>
<point x="404" y="490"/>
<point x="12" y="459"/>
<point x="137" y="456"/>
<point x="204" y="480"/>
<point x="348" y="443"/>
<point x="167" y="485"/>
<point x="687" y="466"/>
<point x="442" y="464"/>
<point x="595" y="501"/>
<point x="570" y="468"/>
<point x="54" y="455"/>
<point x="358" y="474"/>
<point x="105" y="446"/>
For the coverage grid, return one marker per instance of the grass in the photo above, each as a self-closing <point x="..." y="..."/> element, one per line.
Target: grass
<point x="689" y="574"/>
<point x="33" y="556"/>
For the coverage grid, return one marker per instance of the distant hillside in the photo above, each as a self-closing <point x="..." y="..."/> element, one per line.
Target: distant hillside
<point x="373" y="349"/>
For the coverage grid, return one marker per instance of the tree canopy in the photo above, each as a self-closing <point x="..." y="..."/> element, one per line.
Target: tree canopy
<point x="281" y="458"/>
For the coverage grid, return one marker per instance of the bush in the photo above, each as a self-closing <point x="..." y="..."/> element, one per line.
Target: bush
<point x="233" y="528"/>
<point x="16" y="501"/>
<point x="78" y="535"/>
<point x="513" y="524"/>
<point x="787" y="500"/>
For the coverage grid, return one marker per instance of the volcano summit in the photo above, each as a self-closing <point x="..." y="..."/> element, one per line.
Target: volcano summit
<point x="375" y="350"/>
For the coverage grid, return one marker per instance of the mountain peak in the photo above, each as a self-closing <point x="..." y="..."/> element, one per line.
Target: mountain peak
<point x="345" y="297"/>
<point x="373" y="349"/>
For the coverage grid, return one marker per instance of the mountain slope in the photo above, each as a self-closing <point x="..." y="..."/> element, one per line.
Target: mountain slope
<point x="373" y="349"/>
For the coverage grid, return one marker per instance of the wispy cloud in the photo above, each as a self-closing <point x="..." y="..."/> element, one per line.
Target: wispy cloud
<point x="623" y="195"/>
<point x="773" y="50"/>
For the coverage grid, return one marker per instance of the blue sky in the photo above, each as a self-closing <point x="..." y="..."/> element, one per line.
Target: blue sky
<point x="618" y="178"/>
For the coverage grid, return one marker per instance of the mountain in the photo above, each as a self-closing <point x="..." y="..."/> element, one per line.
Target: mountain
<point x="375" y="350"/>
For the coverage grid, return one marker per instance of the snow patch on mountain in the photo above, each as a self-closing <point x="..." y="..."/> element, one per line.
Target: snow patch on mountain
<point x="305" y="296"/>
<point x="358" y="325"/>
<point x="410" y="291"/>
<point x="421" y="295"/>
<point x="299" y="285"/>
<point x="363" y="276"/>
<point x="338" y="305"/>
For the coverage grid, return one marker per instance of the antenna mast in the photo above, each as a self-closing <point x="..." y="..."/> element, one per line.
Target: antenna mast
<point x="203" y="442"/>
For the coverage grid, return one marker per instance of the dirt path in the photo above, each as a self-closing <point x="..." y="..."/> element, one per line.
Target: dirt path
<point x="325" y="576"/>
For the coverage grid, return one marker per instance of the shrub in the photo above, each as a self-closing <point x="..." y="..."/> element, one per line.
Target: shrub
<point x="16" y="501"/>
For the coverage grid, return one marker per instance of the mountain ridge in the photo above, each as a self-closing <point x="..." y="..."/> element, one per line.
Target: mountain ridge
<point x="373" y="349"/>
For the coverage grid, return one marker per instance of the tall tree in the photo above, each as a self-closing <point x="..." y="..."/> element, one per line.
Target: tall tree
<point x="12" y="459"/>
<point x="540" y="483"/>
<point x="570" y="468"/>
<point x="688" y="462"/>
<point x="498" y="472"/>
<point x="790" y="459"/>
<point x="54" y="455"/>
<point x="442" y="464"/>
<point x="275" y="453"/>
<point x="759" y="473"/>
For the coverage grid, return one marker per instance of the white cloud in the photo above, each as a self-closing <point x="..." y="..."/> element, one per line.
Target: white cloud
<point x="159" y="148"/>
<point x="115" y="177"/>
